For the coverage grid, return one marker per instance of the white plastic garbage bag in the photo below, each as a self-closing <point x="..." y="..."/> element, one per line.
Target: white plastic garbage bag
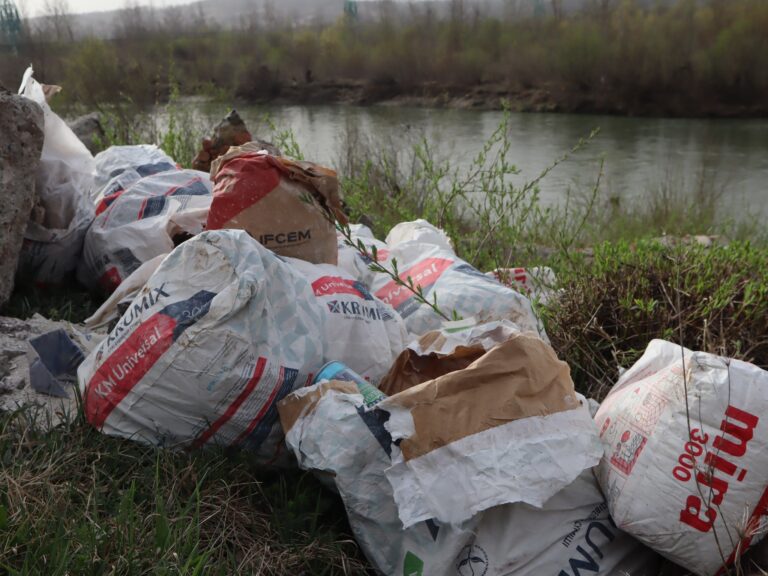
<point x="360" y="330"/>
<point x="537" y="282"/>
<point x="142" y="222"/>
<point x="332" y="429"/>
<point x="685" y="468"/>
<point x="220" y="333"/>
<point x="118" y="167"/>
<point x="419" y="231"/>
<point x="112" y="307"/>
<point x="350" y="258"/>
<point x="53" y="241"/>
<point x="459" y="288"/>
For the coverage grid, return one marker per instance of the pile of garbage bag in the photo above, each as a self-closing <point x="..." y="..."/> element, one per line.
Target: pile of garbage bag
<point x="432" y="490"/>
<point x="245" y="311"/>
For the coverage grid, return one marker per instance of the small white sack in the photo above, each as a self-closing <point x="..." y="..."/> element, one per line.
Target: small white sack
<point x="53" y="241"/>
<point x="360" y="330"/>
<point x="418" y="231"/>
<point x="219" y="334"/>
<point x="677" y="487"/>
<point x="118" y="167"/>
<point x="142" y="223"/>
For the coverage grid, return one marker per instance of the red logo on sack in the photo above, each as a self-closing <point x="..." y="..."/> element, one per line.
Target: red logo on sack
<point x="423" y="274"/>
<point x="111" y="279"/>
<point x="107" y="201"/>
<point x="335" y="285"/>
<point x="723" y="467"/>
<point x="627" y="451"/>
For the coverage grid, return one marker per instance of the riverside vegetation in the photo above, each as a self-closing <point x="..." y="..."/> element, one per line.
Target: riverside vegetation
<point x="76" y="502"/>
<point x="682" y="57"/>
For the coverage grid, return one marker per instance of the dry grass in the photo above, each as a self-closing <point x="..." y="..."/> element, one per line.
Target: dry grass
<point x="76" y="502"/>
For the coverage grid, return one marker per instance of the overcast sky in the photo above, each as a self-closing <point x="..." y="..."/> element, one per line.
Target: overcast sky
<point x="38" y="7"/>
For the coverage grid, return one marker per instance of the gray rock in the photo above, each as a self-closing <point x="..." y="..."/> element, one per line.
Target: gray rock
<point x="21" y="143"/>
<point x="89" y="130"/>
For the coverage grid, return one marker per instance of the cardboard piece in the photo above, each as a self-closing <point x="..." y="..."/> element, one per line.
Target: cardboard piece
<point x="287" y="205"/>
<point x="54" y="363"/>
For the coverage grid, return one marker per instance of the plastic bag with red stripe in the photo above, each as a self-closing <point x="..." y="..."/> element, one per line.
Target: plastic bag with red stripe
<point x="221" y="331"/>
<point x="352" y="261"/>
<point x="686" y="455"/>
<point x="360" y="330"/>
<point x="118" y="167"/>
<point x="457" y="286"/>
<point x="146" y="220"/>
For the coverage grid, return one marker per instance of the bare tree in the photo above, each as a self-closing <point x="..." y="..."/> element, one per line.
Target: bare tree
<point x="557" y="8"/>
<point x="457" y="10"/>
<point x="59" y="20"/>
<point x="134" y="21"/>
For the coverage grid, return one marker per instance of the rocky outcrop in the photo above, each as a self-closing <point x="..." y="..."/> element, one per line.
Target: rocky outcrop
<point x="21" y="143"/>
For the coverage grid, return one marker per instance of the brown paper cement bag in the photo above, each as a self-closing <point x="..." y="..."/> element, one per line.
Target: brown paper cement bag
<point x="440" y="352"/>
<point x="287" y="205"/>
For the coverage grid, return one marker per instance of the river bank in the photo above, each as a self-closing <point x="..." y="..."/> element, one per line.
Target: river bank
<point x="548" y="98"/>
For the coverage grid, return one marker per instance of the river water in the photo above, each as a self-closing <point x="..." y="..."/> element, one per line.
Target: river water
<point x="640" y="155"/>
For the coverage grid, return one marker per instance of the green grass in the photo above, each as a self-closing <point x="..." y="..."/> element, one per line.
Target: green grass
<point x="70" y="302"/>
<point x="73" y="501"/>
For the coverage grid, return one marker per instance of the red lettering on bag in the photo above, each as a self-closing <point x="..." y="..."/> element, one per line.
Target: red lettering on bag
<point x="741" y="434"/>
<point x="116" y="377"/>
<point x="691" y="515"/>
<point x="423" y="274"/>
<point x="739" y="425"/>
<point x="335" y="285"/>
